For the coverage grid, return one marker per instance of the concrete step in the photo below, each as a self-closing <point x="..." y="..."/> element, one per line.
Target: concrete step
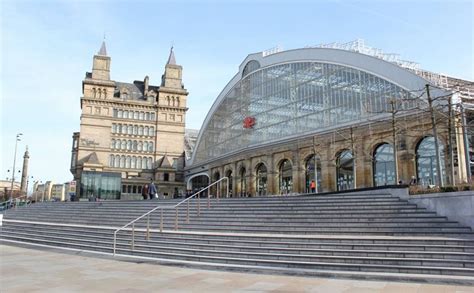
<point x="389" y="266"/>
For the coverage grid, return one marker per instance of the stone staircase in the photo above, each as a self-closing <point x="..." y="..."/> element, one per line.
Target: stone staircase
<point x="354" y="235"/>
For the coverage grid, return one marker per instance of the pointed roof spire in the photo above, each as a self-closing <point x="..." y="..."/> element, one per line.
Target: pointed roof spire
<point x="171" y="59"/>
<point x="103" y="50"/>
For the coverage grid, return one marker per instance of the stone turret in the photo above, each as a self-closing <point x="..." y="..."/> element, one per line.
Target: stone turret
<point x="24" y="173"/>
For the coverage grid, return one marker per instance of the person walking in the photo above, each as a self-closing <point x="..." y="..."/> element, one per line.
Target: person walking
<point x="145" y="191"/>
<point x="152" y="190"/>
<point x="312" y="186"/>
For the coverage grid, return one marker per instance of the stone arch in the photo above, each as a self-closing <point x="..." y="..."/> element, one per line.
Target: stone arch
<point x="189" y="185"/>
<point x="344" y="169"/>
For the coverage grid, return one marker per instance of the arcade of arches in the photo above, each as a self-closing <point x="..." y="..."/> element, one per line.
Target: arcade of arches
<point x="290" y="167"/>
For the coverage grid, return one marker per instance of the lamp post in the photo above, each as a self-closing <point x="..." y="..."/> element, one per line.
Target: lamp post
<point x="17" y="139"/>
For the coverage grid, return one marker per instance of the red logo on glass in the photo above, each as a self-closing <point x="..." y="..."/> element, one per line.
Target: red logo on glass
<point x="249" y="122"/>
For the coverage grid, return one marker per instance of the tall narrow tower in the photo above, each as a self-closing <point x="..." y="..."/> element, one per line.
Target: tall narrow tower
<point x="24" y="173"/>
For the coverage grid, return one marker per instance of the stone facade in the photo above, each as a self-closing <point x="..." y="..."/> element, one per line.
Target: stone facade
<point x="411" y="130"/>
<point x="130" y="128"/>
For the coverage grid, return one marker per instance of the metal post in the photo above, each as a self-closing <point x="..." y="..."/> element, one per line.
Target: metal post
<point x="208" y="202"/>
<point x="133" y="236"/>
<point x="115" y="240"/>
<point x="187" y="213"/>
<point x="228" y="180"/>
<point x="199" y="205"/>
<point x="354" y="158"/>
<point x="394" y="137"/>
<point x="176" y="219"/>
<point x="439" y="179"/>
<point x="17" y="139"/>
<point x="148" y="228"/>
<point x="467" y="157"/>
<point x="161" y="221"/>
<point x="315" y="167"/>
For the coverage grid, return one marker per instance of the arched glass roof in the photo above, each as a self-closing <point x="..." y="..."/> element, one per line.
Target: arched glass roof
<point x="298" y="97"/>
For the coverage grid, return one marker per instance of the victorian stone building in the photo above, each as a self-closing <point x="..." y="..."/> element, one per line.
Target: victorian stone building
<point x="130" y="133"/>
<point x="359" y="120"/>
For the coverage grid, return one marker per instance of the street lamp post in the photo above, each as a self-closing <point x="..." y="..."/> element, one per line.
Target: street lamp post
<point x="14" y="162"/>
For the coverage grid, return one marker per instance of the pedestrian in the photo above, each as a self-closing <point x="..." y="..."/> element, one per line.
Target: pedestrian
<point x="152" y="190"/>
<point x="312" y="186"/>
<point x="145" y="191"/>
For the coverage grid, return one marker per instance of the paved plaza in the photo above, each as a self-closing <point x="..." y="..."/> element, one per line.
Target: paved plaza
<point x="31" y="270"/>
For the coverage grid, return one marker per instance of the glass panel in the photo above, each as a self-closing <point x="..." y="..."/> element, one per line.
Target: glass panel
<point x="292" y="99"/>
<point x="426" y="161"/>
<point x="384" y="166"/>
<point x="345" y="171"/>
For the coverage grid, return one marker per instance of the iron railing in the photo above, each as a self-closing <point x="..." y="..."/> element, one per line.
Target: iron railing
<point x="176" y="206"/>
<point x="14" y="203"/>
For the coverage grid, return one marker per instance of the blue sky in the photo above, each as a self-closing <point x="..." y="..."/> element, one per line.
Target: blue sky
<point x="47" y="46"/>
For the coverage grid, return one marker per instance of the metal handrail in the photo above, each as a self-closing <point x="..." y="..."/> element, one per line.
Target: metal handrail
<point x="9" y="203"/>
<point x="147" y="214"/>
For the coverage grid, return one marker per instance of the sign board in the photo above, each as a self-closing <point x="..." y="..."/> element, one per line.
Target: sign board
<point x="72" y="188"/>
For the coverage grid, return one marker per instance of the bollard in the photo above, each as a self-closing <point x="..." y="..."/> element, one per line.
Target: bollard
<point x="133" y="236"/>
<point x="148" y="228"/>
<point x="161" y="221"/>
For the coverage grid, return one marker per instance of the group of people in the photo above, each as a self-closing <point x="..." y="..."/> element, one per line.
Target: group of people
<point x="149" y="191"/>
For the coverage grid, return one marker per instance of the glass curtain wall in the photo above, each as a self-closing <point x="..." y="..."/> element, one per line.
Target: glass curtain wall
<point x="292" y="99"/>
<point x="309" y="173"/>
<point x="384" y="166"/>
<point x="426" y="161"/>
<point x="261" y="180"/>
<point x="101" y="185"/>
<point x="345" y="171"/>
<point x="286" y="177"/>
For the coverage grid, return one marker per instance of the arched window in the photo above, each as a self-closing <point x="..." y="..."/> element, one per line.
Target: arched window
<point x="286" y="177"/>
<point x="134" y="162"/>
<point x="117" y="144"/>
<point x="149" y="164"/>
<point x="177" y="101"/>
<point x="111" y="160"/>
<point x="119" y="128"/>
<point x="127" y="162"/>
<point x="150" y="146"/>
<point x="124" y="145"/>
<point x="309" y="173"/>
<point x="169" y="100"/>
<point x="152" y="116"/>
<point x="145" y="146"/>
<point x="384" y="166"/>
<point x="174" y="101"/>
<point x="140" y="146"/>
<point x="125" y="114"/>
<point x="243" y="182"/>
<point x="135" y="115"/>
<point x="261" y="184"/>
<point x="140" y="130"/>
<point x="146" y="131"/>
<point x="141" y="115"/>
<point x="130" y="115"/>
<point x="135" y="145"/>
<point x="114" y="128"/>
<point x="129" y="145"/>
<point x="345" y="170"/>
<point x="112" y="145"/>
<point x="147" y="116"/>
<point x="139" y="162"/>
<point x="130" y="129"/>
<point x="94" y="92"/>
<point x="152" y="131"/>
<point x="115" y="113"/>
<point x="120" y="114"/>
<point x="426" y="161"/>
<point x="105" y="93"/>
<point x="122" y="162"/>
<point x="135" y="129"/>
<point x="228" y="174"/>
<point x="117" y="161"/>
